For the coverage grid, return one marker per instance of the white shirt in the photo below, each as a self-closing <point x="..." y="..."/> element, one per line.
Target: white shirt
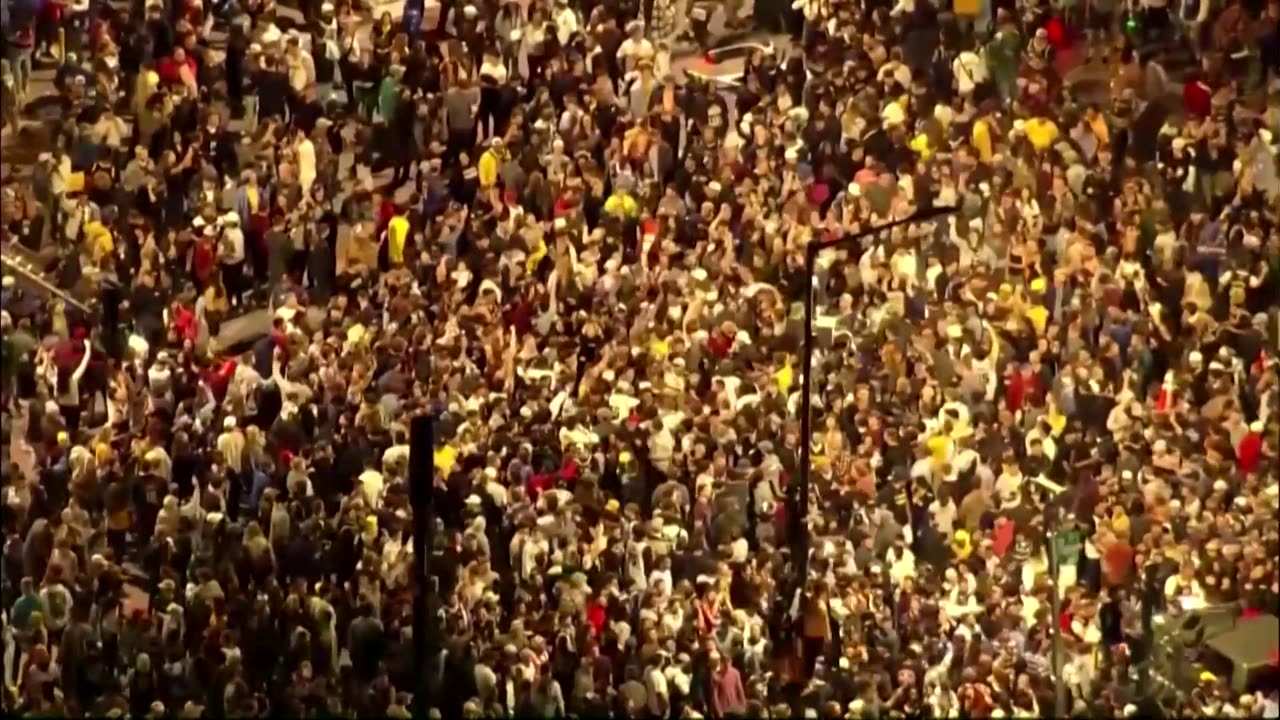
<point x="306" y="164"/>
<point x="632" y="50"/>
<point x="944" y="516"/>
<point x="1008" y="486"/>
<point x="232" y="246"/>
<point x="302" y="70"/>
<point x="665" y="577"/>
<point x="494" y="70"/>
<point x="371" y="483"/>
<point x="158" y="377"/>
<point x="969" y="71"/>
<point x="656" y="686"/>
<point x="566" y="24"/>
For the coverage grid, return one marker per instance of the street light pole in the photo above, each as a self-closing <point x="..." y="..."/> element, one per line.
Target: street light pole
<point x="421" y="500"/>
<point x="1055" y="606"/>
<point x="798" y="532"/>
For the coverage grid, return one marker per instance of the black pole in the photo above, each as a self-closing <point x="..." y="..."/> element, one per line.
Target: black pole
<point x="1148" y="612"/>
<point x="798" y="527"/>
<point x="799" y="517"/>
<point x="109" y="297"/>
<point x="421" y="499"/>
<point x="1051" y="530"/>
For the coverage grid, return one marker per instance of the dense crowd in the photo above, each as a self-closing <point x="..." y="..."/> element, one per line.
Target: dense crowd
<point x="587" y="265"/>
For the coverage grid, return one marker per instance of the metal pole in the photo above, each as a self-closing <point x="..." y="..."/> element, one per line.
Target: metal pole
<point x="19" y="267"/>
<point x="1055" y="604"/>
<point x="1148" y="630"/>
<point x="798" y="512"/>
<point x="421" y="498"/>
<point x="799" y="529"/>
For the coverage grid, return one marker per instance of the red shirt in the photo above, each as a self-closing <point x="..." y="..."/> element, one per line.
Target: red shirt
<point x="1021" y="389"/>
<point x="204" y="259"/>
<point x="1014" y="391"/>
<point x="538" y="484"/>
<point x="1248" y="452"/>
<point x="170" y="70"/>
<point x="184" y="322"/>
<point x="220" y="377"/>
<point x="1197" y="99"/>
<point x="563" y="207"/>
<point x="596" y="616"/>
<point x="719" y="345"/>
<point x="569" y="471"/>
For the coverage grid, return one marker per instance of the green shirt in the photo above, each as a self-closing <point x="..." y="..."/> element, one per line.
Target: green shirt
<point x="388" y="98"/>
<point x="20" y="616"/>
<point x="1004" y="53"/>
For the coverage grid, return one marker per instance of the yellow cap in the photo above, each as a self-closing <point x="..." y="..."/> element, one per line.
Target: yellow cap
<point x="1207" y="677"/>
<point x="1038" y="285"/>
<point x="624" y="456"/>
<point x="63" y="437"/>
<point x="961" y="537"/>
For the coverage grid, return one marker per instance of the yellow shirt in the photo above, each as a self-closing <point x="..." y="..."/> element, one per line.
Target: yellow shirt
<point x="397" y="235"/>
<point x="982" y="140"/>
<point x="920" y="145"/>
<point x="101" y="244"/>
<point x="1042" y="132"/>
<point x="445" y="458"/>
<point x="1039" y="317"/>
<point x="621" y="206"/>
<point x="251" y="195"/>
<point x="784" y="378"/>
<point x="488" y="169"/>
<point x="535" y="257"/>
